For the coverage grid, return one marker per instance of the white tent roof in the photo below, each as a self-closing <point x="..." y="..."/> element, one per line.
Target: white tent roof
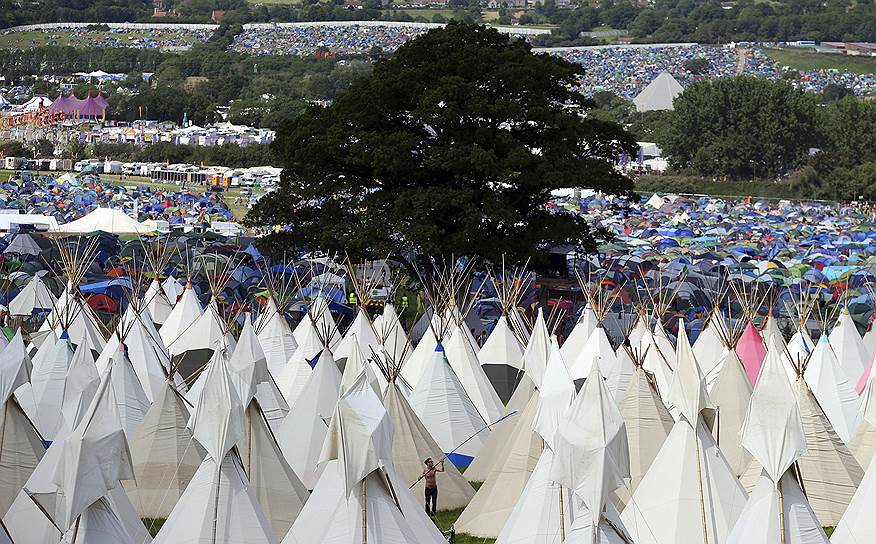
<point x="648" y="423"/>
<point x="446" y="410"/>
<point x="850" y="351"/>
<point x="554" y="398"/>
<point x="412" y="444"/>
<point x="544" y="512"/>
<point x="42" y="399"/>
<point x="596" y="351"/>
<point x="96" y="448"/>
<point x="493" y="504"/>
<point x="858" y="523"/>
<point x="659" y="94"/>
<point x="592" y="456"/>
<point x="502" y="347"/>
<point x="185" y="313"/>
<point x="391" y="332"/>
<point x="420" y="358"/>
<point x="144" y="348"/>
<point x="761" y="521"/>
<point x="704" y="487"/>
<point x="331" y="517"/>
<point x="217" y="421"/>
<point x="20" y="445"/>
<point x="654" y="516"/>
<point x="535" y="357"/>
<point x="863" y="444"/>
<point x="730" y="393"/>
<point x="251" y="378"/>
<point x="111" y="220"/>
<point x="273" y="482"/>
<point x="464" y="362"/>
<point x="355" y="365"/>
<point x="834" y="390"/>
<point x="276" y="338"/>
<point x="494" y="448"/>
<point x="301" y="434"/>
<point x="35" y="295"/>
<point x="82" y="383"/>
<point x="157" y="302"/>
<point x="359" y="478"/>
<point x="217" y="491"/>
<point x="580" y="334"/>
<point x="364" y="335"/>
<point x="164" y="455"/>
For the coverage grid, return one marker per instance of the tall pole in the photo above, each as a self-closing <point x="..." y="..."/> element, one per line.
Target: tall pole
<point x="364" y="513"/>
<point x="76" y="530"/>
<point x="702" y="493"/>
<point x="781" y="509"/>
<point x="562" y="516"/>
<point x="216" y="503"/>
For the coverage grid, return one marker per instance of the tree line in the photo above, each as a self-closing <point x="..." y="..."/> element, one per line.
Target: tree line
<point x="745" y="128"/>
<point x="263" y="91"/>
<point x="229" y="155"/>
<point x="709" y="21"/>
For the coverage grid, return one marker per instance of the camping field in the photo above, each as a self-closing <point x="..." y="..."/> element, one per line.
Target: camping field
<point x="806" y="60"/>
<point x="239" y="210"/>
<point x="88" y="38"/>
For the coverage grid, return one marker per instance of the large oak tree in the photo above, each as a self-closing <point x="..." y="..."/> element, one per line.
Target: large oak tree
<point x="452" y="146"/>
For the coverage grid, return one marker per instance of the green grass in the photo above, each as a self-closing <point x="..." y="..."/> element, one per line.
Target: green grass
<point x="35" y="38"/>
<point x="238" y="210"/>
<point x="444" y="520"/>
<point x="154" y="525"/>
<point x="807" y="60"/>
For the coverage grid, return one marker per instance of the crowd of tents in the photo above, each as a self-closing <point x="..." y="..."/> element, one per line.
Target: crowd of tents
<point x="68" y="198"/>
<point x="708" y="379"/>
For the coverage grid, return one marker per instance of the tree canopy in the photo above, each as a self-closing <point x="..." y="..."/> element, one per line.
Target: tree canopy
<point x="741" y="128"/>
<point x="452" y="146"/>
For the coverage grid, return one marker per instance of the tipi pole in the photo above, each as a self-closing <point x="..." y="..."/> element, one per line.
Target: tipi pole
<point x="364" y="513"/>
<point x="781" y="509"/>
<point x="216" y="503"/>
<point x="702" y="493"/>
<point x="562" y="516"/>
<point x="76" y="529"/>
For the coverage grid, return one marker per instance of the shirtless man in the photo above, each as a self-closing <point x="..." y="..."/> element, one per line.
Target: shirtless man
<point x="431" y="485"/>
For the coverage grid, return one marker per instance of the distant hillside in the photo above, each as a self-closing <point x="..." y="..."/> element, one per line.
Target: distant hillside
<point x="25" y="12"/>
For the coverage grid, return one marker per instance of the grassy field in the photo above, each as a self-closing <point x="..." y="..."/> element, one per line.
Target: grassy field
<point x="445" y="520"/>
<point x="23" y="40"/>
<point x="806" y="60"/>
